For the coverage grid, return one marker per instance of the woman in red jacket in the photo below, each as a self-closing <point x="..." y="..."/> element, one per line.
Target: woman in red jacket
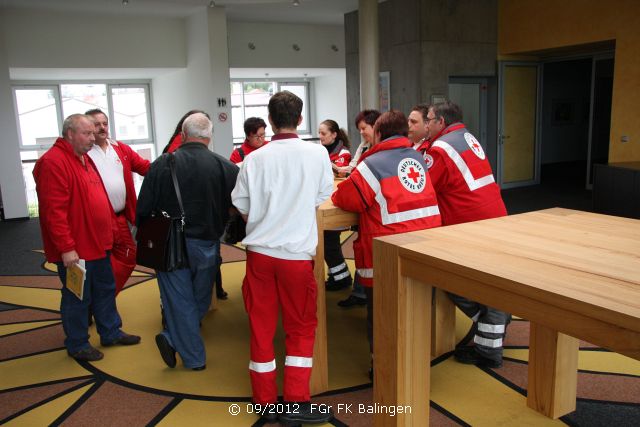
<point x="336" y="142"/>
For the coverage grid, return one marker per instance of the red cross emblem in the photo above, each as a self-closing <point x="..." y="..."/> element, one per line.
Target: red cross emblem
<point x="413" y="174"/>
<point x="474" y="145"/>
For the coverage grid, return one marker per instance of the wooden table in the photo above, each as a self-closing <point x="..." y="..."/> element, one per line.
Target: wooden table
<point x="573" y="275"/>
<point x="328" y="217"/>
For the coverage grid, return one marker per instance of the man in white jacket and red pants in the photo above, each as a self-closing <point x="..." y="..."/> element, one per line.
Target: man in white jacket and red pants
<point x="278" y="190"/>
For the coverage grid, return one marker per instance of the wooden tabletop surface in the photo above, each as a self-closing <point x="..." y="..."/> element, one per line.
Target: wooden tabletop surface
<point x="579" y="261"/>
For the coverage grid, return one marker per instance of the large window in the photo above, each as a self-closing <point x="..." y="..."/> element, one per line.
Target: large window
<point x="251" y="98"/>
<point x="41" y="109"/>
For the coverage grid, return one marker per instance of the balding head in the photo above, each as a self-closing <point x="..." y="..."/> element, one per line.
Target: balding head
<point x="197" y="127"/>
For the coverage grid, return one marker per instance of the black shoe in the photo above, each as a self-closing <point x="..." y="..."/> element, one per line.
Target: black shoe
<point x="305" y="413"/>
<point x="199" y="368"/>
<point x="123" y="339"/>
<point x="469" y="356"/>
<point x="352" y="301"/>
<point x="268" y="417"/>
<point x="89" y="354"/>
<point x="336" y="285"/>
<point x="167" y="352"/>
<point x="221" y="294"/>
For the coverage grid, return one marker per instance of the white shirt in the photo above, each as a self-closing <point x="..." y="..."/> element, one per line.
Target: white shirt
<point x="279" y="187"/>
<point x="111" y="172"/>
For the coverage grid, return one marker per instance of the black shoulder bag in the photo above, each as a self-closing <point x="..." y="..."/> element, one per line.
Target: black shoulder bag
<point x="161" y="240"/>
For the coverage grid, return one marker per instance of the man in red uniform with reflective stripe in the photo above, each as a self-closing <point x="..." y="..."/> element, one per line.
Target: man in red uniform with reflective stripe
<point x="391" y="190"/>
<point x="467" y="191"/>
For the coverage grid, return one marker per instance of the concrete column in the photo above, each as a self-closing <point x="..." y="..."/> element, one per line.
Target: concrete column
<point x="221" y="87"/>
<point x="12" y="185"/>
<point x="368" y="50"/>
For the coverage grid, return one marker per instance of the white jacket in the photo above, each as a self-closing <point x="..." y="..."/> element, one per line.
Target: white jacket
<point x="279" y="187"/>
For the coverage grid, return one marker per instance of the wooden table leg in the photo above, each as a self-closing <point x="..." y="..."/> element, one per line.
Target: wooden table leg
<point x="402" y="342"/>
<point x="443" y="326"/>
<point x="553" y="371"/>
<point x="320" y="373"/>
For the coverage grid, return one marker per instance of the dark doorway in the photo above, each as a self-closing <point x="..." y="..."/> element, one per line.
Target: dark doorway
<point x="575" y="120"/>
<point x="566" y="100"/>
<point x="601" y="117"/>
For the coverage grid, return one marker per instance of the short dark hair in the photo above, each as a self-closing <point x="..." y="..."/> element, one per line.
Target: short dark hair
<point x="391" y="123"/>
<point x="285" y="109"/>
<point x="252" y="124"/>
<point x="449" y="111"/>
<point x="95" y="111"/>
<point x="423" y="109"/>
<point x="368" y="116"/>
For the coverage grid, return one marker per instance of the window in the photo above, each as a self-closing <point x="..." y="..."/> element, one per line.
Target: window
<point x="251" y="99"/>
<point x="41" y="109"/>
<point x="38" y="115"/>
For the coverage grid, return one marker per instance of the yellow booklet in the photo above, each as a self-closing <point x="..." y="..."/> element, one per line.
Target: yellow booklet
<point x="76" y="275"/>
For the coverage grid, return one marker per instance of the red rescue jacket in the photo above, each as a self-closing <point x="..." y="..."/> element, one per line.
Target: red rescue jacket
<point x="392" y="191"/>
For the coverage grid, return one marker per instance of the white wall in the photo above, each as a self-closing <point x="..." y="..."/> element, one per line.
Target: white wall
<point x="54" y="39"/>
<point x="200" y="84"/>
<point x="14" y="199"/>
<point x="331" y="101"/>
<point x="273" y="45"/>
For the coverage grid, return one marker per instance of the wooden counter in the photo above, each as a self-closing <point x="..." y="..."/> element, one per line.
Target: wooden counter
<point x="574" y="275"/>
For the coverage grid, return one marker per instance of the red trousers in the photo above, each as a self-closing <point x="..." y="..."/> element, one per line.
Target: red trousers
<point x="123" y="254"/>
<point x="270" y="284"/>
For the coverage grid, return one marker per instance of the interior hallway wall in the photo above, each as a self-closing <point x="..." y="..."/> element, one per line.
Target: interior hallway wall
<point x="273" y="45"/>
<point x="331" y="91"/>
<point x="577" y="22"/>
<point x="56" y="39"/>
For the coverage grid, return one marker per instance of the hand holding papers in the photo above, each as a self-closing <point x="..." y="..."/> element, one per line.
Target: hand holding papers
<point x="76" y="275"/>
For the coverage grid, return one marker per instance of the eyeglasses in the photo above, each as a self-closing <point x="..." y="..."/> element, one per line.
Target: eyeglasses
<point x="258" y="137"/>
<point x="429" y="119"/>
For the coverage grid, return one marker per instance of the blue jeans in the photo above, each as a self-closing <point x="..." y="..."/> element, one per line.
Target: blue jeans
<point x="186" y="296"/>
<point x="100" y="295"/>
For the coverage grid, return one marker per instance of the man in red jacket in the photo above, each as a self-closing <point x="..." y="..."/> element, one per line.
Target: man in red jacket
<point x="116" y="162"/>
<point x="463" y="180"/>
<point x="76" y="221"/>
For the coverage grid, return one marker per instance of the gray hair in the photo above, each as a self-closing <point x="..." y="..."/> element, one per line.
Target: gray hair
<point x="71" y="122"/>
<point x="198" y="126"/>
<point x="451" y="112"/>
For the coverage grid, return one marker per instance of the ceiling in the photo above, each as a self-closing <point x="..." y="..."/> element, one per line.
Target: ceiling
<point x="326" y="12"/>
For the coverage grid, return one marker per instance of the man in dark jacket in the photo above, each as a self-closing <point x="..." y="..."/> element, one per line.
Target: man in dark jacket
<point x="205" y="180"/>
